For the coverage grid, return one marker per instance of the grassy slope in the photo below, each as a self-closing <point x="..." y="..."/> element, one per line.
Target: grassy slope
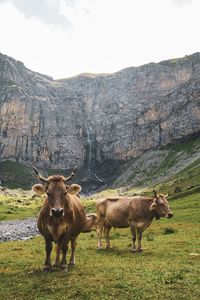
<point x="18" y="206"/>
<point x="164" y="165"/>
<point x="165" y="270"/>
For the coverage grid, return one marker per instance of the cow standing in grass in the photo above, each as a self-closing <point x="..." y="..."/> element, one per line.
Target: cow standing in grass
<point x="62" y="217"/>
<point x="135" y="212"/>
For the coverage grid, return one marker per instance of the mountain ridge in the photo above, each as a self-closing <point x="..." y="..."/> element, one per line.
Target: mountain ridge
<point x="92" y="119"/>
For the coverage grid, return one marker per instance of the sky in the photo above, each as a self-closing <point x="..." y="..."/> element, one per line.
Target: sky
<point x="63" y="38"/>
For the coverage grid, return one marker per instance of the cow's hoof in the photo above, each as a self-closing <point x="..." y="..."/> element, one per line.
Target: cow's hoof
<point x="99" y="248"/>
<point x="56" y="265"/>
<point x="140" y="250"/>
<point x="47" y="268"/>
<point x="64" y="268"/>
<point x="133" y="250"/>
<point x="71" y="264"/>
<point x="108" y="247"/>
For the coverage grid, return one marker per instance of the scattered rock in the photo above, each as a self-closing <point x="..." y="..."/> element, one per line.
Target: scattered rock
<point x="18" y="230"/>
<point x="178" y="189"/>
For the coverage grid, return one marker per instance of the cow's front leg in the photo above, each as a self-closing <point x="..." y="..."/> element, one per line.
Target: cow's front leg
<point x="100" y="224"/>
<point x="139" y="237"/>
<point x="58" y="250"/>
<point x="133" y="234"/>
<point x="63" y="263"/>
<point x="48" y="248"/>
<point x="106" y="232"/>
<point x="73" y="248"/>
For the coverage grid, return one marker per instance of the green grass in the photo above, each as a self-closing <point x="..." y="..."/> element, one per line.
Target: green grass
<point x="23" y="206"/>
<point x="9" y="212"/>
<point x="18" y="207"/>
<point x="165" y="270"/>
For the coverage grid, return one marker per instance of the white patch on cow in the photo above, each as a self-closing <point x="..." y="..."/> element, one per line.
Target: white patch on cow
<point x="57" y="231"/>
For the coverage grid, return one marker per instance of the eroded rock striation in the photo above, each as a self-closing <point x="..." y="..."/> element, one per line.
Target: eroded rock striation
<point x="89" y="119"/>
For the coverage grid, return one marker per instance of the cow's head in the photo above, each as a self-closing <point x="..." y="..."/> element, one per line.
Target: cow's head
<point x="160" y="206"/>
<point x="57" y="191"/>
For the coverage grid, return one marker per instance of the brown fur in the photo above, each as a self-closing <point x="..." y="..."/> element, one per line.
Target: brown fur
<point x="91" y="222"/>
<point x="65" y="228"/>
<point x="135" y="212"/>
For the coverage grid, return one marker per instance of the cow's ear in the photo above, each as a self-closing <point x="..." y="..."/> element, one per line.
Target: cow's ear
<point x="154" y="204"/>
<point x="74" y="189"/>
<point x="39" y="189"/>
<point x="166" y="195"/>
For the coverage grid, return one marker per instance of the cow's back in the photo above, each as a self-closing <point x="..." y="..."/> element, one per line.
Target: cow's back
<point x="117" y="212"/>
<point x="103" y="204"/>
<point x="114" y="210"/>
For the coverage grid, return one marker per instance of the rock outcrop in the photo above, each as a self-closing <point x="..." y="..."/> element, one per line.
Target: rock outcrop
<point x="90" y="119"/>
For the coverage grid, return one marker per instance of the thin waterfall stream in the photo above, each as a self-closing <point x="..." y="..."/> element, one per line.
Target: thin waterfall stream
<point x="89" y="141"/>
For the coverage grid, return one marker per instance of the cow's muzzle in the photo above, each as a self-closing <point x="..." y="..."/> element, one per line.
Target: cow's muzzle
<point x="57" y="212"/>
<point x="170" y="215"/>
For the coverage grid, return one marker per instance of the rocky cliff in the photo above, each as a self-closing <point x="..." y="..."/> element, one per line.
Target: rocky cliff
<point x="90" y="119"/>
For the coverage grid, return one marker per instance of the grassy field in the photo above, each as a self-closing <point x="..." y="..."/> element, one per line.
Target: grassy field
<point x="18" y="206"/>
<point x="169" y="267"/>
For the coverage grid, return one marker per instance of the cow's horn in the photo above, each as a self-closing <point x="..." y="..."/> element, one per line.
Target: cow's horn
<point x="155" y="194"/>
<point x="71" y="176"/>
<point x="39" y="176"/>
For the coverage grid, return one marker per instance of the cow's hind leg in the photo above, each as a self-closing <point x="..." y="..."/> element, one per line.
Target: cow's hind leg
<point x="133" y="234"/>
<point x="139" y="238"/>
<point x="73" y="248"/>
<point x="48" y="248"/>
<point x="107" y="228"/>
<point x="100" y="226"/>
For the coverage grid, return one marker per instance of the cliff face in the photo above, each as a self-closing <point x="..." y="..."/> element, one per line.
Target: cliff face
<point x="94" y="118"/>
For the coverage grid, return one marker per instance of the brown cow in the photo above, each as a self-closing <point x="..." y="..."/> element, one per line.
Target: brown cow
<point x="91" y="222"/>
<point x="62" y="217"/>
<point x="135" y="212"/>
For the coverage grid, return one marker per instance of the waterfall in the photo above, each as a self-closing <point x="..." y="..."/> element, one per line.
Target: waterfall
<point x="99" y="179"/>
<point x="89" y="141"/>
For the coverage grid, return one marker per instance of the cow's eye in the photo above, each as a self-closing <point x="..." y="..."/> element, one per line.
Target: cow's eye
<point x="48" y="194"/>
<point x="65" y="193"/>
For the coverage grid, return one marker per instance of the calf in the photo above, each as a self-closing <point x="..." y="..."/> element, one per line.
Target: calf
<point x="91" y="222"/>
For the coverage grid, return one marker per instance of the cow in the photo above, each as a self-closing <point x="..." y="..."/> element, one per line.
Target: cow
<point x="91" y="223"/>
<point x="135" y="212"/>
<point x="62" y="217"/>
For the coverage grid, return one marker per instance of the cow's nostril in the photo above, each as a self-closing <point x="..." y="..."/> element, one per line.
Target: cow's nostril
<point x="57" y="212"/>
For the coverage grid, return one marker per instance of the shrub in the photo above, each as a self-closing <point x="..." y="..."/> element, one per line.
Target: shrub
<point x="169" y="230"/>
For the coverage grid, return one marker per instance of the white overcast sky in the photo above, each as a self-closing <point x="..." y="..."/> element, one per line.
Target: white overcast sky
<point x="62" y="38"/>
